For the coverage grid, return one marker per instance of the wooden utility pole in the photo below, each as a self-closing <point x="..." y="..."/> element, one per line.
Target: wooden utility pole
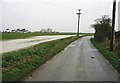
<point x="78" y="21"/>
<point x="113" y="26"/>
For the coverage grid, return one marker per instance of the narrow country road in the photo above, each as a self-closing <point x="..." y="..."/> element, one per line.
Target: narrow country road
<point x="11" y="45"/>
<point x="75" y="64"/>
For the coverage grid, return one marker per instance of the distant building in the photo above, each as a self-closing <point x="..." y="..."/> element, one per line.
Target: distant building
<point x="119" y="15"/>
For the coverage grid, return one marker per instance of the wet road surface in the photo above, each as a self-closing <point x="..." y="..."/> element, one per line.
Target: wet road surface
<point x="80" y="61"/>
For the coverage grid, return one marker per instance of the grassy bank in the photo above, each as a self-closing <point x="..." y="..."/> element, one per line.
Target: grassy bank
<point x="9" y="36"/>
<point x="18" y="64"/>
<point x="110" y="56"/>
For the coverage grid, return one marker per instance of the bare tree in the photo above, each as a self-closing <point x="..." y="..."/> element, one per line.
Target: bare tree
<point x="18" y="30"/>
<point x="7" y="30"/>
<point x="12" y="30"/>
<point x="48" y="30"/>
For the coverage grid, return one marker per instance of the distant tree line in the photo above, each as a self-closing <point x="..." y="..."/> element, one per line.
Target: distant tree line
<point x="48" y="30"/>
<point x="16" y="30"/>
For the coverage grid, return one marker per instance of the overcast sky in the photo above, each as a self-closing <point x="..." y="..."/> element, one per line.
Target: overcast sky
<point x="59" y="15"/>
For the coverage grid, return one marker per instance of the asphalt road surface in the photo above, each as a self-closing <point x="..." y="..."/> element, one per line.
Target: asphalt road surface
<point x="75" y="63"/>
<point x="11" y="45"/>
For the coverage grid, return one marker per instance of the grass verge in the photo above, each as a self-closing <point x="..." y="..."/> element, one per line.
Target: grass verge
<point x="113" y="59"/>
<point x="18" y="64"/>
